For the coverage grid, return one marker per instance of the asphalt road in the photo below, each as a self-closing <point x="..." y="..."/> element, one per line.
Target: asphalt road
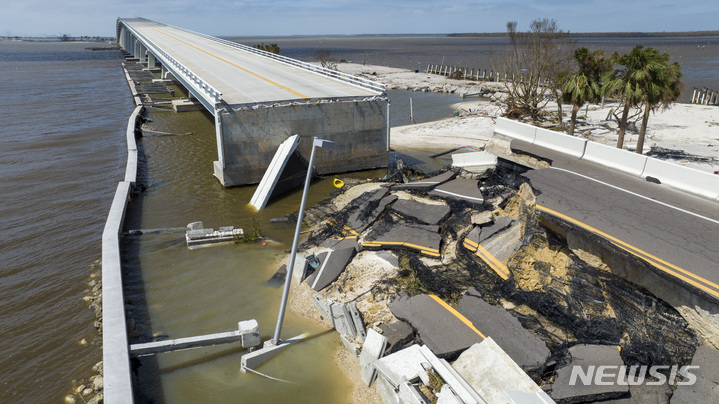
<point x="241" y="76"/>
<point x="676" y="227"/>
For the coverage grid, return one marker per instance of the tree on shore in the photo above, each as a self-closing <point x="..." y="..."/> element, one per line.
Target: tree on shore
<point x="326" y="59"/>
<point x="585" y="84"/>
<point x="646" y="79"/>
<point x="272" y="48"/>
<point x="532" y="65"/>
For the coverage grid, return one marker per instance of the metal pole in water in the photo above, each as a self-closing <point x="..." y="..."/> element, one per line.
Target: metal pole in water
<point x="411" y="112"/>
<point x="288" y="279"/>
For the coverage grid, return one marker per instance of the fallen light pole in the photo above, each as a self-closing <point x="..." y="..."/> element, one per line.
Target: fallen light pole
<point x="275" y="345"/>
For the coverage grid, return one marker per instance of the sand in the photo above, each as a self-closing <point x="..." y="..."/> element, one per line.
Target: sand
<point x="691" y="128"/>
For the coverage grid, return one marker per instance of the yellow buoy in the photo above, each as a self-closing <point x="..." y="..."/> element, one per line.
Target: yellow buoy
<point x="338" y="183"/>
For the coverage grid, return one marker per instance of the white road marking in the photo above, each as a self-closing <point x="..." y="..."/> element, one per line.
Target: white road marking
<point x="639" y="195"/>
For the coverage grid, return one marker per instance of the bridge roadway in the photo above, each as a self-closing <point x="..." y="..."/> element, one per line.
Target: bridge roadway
<point x="241" y="76"/>
<point x="260" y="99"/>
<point x="678" y="233"/>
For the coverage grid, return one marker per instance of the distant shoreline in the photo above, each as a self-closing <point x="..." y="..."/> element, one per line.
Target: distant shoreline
<point x="603" y="34"/>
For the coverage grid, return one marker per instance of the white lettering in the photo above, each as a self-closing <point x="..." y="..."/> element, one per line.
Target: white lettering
<point x="635" y="380"/>
<point x="586" y="378"/>
<point x="654" y="372"/>
<point x="622" y="376"/>
<point x="685" y="372"/>
<point x="673" y="375"/>
<point x="602" y="374"/>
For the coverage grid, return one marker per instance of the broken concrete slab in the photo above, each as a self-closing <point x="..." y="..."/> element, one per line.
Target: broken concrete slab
<point x="497" y="250"/>
<point x="427" y="183"/>
<point x="285" y="172"/>
<point x="389" y="257"/>
<point x="339" y="244"/>
<point x="432" y="321"/>
<point x="585" y="359"/>
<point x="454" y="379"/>
<point x="526" y="349"/>
<point x="471" y="240"/>
<point x="706" y="387"/>
<point x="362" y="217"/>
<point x="184" y="105"/>
<point x="426" y="213"/>
<point x="387" y="392"/>
<point x="398" y="335"/>
<point x="200" y="237"/>
<point x="645" y="394"/>
<point x="482" y="218"/>
<point x="500" y="223"/>
<point x="447" y="396"/>
<point x="408" y="394"/>
<point x="332" y="263"/>
<point x="342" y="319"/>
<point x="474" y="161"/>
<point x="463" y="189"/>
<point x="520" y="397"/>
<point x="424" y="239"/>
<point x="408" y="363"/>
<point x="372" y="350"/>
<point x="490" y="371"/>
<point x="255" y="358"/>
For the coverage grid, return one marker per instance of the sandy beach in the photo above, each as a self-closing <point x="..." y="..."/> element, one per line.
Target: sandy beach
<point x="690" y="132"/>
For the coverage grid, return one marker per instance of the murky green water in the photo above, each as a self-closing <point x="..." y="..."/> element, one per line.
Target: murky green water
<point x="207" y="290"/>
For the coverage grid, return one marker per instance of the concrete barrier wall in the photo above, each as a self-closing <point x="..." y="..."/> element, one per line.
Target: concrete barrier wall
<point x="115" y="352"/>
<point x="117" y="379"/>
<point x="251" y="136"/>
<point x="688" y="179"/>
<point x="517" y="130"/>
<point x="571" y="145"/>
<point x="622" y="160"/>
<point x="131" y="168"/>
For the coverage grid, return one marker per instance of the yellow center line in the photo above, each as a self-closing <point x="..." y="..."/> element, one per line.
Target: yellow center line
<point x="231" y="64"/>
<point x="490" y="259"/>
<point x="422" y="249"/>
<point x="659" y="263"/>
<point x="457" y="314"/>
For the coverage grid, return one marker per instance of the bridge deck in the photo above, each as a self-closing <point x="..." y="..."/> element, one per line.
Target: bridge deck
<point x="241" y="76"/>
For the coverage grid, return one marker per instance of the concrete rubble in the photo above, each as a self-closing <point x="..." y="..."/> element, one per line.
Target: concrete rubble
<point x="418" y="260"/>
<point x="432" y="321"/>
<point x="526" y="349"/>
<point x="572" y="389"/>
<point x="198" y="236"/>
<point x="706" y="387"/>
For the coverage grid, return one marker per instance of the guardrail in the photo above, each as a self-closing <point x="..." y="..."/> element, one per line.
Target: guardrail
<point x="700" y="183"/>
<point x="337" y="75"/>
<point x="192" y="80"/>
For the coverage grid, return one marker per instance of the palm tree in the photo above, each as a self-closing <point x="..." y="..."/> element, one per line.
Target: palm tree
<point x="661" y="91"/>
<point x="585" y="84"/>
<point x="646" y="79"/>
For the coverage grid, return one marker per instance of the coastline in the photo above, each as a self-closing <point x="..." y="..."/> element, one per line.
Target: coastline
<point x="689" y="132"/>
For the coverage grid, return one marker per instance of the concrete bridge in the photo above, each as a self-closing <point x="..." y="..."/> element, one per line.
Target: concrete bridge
<point x="259" y="99"/>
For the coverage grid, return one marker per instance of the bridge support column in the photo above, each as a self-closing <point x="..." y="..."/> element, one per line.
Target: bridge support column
<point x="136" y="48"/>
<point x="248" y="137"/>
<point x="150" y="60"/>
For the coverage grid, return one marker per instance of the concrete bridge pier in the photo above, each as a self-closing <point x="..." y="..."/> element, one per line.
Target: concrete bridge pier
<point x="150" y="60"/>
<point x="248" y="136"/>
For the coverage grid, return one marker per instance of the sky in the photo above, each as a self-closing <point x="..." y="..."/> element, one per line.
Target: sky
<point x="353" y="17"/>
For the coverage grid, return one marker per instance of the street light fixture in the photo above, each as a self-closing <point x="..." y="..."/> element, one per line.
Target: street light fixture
<point x="325" y="144"/>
